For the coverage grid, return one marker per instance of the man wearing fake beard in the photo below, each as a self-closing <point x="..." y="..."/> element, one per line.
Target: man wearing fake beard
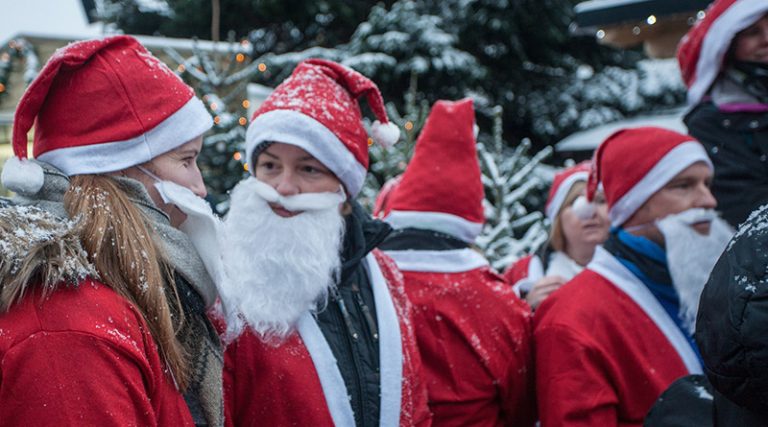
<point x="318" y="319"/>
<point x="616" y="336"/>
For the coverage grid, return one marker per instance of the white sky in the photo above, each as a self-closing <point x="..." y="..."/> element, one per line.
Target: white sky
<point x="49" y="17"/>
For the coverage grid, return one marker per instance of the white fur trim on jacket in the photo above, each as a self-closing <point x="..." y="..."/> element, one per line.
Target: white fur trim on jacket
<point x="737" y="17"/>
<point x="437" y="221"/>
<point x="449" y="261"/>
<point x="606" y="265"/>
<point x="535" y="273"/>
<point x="294" y="128"/>
<point x="390" y="356"/>
<point x="660" y="174"/>
<point x="188" y="122"/>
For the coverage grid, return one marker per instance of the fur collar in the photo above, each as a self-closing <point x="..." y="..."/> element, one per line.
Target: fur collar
<point x="38" y="248"/>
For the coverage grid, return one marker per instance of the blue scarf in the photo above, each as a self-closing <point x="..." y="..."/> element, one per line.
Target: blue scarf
<point x="648" y="262"/>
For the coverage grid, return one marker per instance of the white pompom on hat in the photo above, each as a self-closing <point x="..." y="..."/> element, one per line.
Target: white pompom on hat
<point x="317" y="109"/>
<point x="561" y="186"/>
<point x="101" y="106"/>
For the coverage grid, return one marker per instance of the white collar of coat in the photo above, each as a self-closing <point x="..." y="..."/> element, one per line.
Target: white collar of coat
<point x="448" y="261"/>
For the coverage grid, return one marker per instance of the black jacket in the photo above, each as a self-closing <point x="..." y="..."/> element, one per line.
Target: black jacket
<point x="691" y="401"/>
<point x="348" y="322"/>
<point x="732" y="323"/>
<point x="737" y="143"/>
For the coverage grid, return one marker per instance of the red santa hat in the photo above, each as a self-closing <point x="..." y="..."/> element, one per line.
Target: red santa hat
<point x="561" y="186"/>
<point x="441" y="188"/>
<point x="101" y="106"/>
<point x="633" y="164"/>
<point x="702" y="51"/>
<point x="383" y="202"/>
<point x="316" y="109"/>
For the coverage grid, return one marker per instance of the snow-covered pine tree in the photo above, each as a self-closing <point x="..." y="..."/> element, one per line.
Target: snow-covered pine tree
<point x="516" y="185"/>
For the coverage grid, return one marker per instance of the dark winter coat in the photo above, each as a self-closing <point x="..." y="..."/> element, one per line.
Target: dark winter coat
<point x="733" y="318"/>
<point x="349" y="320"/>
<point x="737" y="143"/>
<point x="195" y="288"/>
<point x="691" y="401"/>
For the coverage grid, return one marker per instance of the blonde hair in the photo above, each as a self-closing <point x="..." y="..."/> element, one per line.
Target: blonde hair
<point x="120" y="245"/>
<point x="556" y="235"/>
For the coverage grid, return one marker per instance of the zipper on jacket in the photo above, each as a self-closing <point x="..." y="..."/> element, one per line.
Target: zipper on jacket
<point x="345" y="313"/>
<point x="366" y="312"/>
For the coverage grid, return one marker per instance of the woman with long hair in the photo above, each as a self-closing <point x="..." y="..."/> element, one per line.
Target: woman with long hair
<point x="572" y="239"/>
<point x="102" y="299"/>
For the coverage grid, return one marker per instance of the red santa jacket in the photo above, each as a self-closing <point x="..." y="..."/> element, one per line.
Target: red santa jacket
<point x="297" y="383"/>
<point x="605" y="349"/>
<point x="524" y="273"/>
<point x="83" y="356"/>
<point x="474" y="335"/>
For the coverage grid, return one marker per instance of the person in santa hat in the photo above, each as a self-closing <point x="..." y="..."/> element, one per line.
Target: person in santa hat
<point x="321" y="330"/>
<point x="619" y="333"/>
<point x="102" y="297"/>
<point x="724" y="63"/>
<point x="472" y="330"/>
<point x="572" y="240"/>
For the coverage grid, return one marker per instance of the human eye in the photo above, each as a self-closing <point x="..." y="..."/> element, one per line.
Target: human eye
<point x="266" y="165"/>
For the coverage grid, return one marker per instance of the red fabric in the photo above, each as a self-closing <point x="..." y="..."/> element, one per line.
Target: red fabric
<point x="626" y="156"/>
<point x="81" y="80"/>
<point x="558" y="191"/>
<point x="383" y="202"/>
<point x="518" y="271"/>
<point x="83" y="356"/>
<point x="328" y="92"/>
<point x="268" y="385"/>
<point x="689" y="50"/>
<point x="444" y="173"/>
<point x="600" y="360"/>
<point x="474" y="336"/>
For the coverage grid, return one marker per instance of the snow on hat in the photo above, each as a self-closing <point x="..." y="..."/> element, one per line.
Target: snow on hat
<point x="562" y="185"/>
<point x="441" y="188"/>
<point x="101" y="106"/>
<point x="316" y="109"/>
<point x="702" y="51"/>
<point x="635" y="163"/>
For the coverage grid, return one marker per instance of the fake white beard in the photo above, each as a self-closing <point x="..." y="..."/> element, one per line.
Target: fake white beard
<point x="278" y="268"/>
<point x="691" y="256"/>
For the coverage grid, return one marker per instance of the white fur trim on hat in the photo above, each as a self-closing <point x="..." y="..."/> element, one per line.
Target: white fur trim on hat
<point x="718" y="39"/>
<point x="438" y="221"/>
<point x="294" y="128"/>
<point x="22" y="176"/>
<point x="661" y="173"/>
<point x="385" y="134"/>
<point x="562" y="191"/>
<point x="188" y="122"/>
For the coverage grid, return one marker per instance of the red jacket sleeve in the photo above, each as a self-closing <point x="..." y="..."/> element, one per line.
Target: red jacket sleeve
<point x="571" y="384"/>
<point x="517" y="394"/>
<point x="73" y="378"/>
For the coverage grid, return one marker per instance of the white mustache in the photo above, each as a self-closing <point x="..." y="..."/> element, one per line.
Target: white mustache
<point x="299" y="202"/>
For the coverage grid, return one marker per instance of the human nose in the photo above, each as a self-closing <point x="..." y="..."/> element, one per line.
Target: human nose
<point x="706" y="199"/>
<point x="287" y="184"/>
<point x="198" y="186"/>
